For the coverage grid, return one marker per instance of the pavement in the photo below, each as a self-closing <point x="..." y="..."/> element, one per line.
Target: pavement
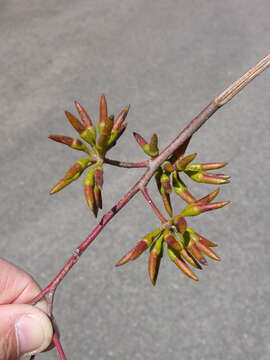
<point x="167" y="59"/>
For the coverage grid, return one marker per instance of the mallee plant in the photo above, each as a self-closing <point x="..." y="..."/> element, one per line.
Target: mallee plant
<point x="185" y="247"/>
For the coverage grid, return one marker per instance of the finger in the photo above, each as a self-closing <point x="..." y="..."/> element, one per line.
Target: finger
<point x="16" y="286"/>
<point x="24" y="329"/>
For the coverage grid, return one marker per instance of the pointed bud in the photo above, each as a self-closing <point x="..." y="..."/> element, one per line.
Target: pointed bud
<point x="120" y="118"/>
<point x="83" y="115"/>
<point x="208" y="198"/>
<point x="180" y="189"/>
<point x="181" y="224"/>
<point x="194" y="209"/>
<point x="77" y="125"/>
<point x="197" y="254"/>
<point x="140" y="140"/>
<point x="72" y="174"/>
<point x="59" y="186"/>
<point x="115" y="135"/>
<point x="167" y="204"/>
<point x="87" y="134"/>
<point x="203" y="177"/>
<point x="103" y="113"/>
<point x="90" y="199"/>
<point x="172" y="242"/>
<point x="153" y="145"/>
<point x="182" y="163"/>
<point x="97" y="196"/>
<point x="182" y="265"/>
<point x="89" y="182"/>
<point x="145" y="146"/>
<point x="212" y="206"/>
<point x="186" y="255"/>
<point x="154" y="259"/>
<point x="206" y="166"/>
<point x="209" y="252"/>
<point x="136" y="251"/>
<point x="73" y="143"/>
<point x="205" y="241"/>
<point x="122" y="129"/>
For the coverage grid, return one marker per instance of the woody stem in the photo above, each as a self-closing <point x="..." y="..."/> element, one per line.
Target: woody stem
<point x="150" y="201"/>
<point x="140" y="185"/>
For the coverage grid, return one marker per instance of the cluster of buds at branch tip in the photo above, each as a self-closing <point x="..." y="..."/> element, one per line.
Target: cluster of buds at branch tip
<point x="185" y="248"/>
<point x="101" y="140"/>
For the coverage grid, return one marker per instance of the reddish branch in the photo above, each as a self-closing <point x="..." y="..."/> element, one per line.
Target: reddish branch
<point x="124" y="164"/>
<point x="150" y="201"/>
<point x="152" y="166"/>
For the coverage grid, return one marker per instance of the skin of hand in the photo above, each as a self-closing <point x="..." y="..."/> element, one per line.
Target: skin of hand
<point x="24" y="329"/>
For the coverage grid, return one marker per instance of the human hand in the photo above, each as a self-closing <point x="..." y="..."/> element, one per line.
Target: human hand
<point x="24" y="329"/>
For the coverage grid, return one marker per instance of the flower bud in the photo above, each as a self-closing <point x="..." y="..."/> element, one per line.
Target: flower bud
<point x="194" y="209"/>
<point x="208" y="198"/>
<point x="181" y="189"/>
<point x="120" y="119"/>
<point x="103" y="113"/>
<point x="154" y="259"/>
<point x="141" y="246"/>
<point x="76" y="124"/>
<point x="206" y="166"/>
<point x="186" y="255"/>
<point x="183" y="162"/>
<point x="83" y="115"/>
<point x="179" y="262"/>
<point x="73" y="143"/>
<point x="72" y="174"/>
<point x="209" y="252"/>
<point x="203" y="177"/>
<point x="173" y="242"/>
<point x="153" y="145"/>
<point x="89" y="183"/>
<point x="205" y="241"/>
<point x="197" y="254"/>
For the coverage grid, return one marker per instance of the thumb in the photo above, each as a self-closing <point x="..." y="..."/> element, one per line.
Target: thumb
<point x="24" y="329"/>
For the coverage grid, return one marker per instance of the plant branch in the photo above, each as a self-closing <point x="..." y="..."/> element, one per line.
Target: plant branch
<point x="204" y="115"/>
<point x="156" y="210"/>
<point x="140" y="185"/>
<point x="59" y="347"/>
<point x="124" y="164"/>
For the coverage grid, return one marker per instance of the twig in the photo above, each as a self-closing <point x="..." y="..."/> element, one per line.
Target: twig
<point x="140" y="185"/>
<point x="156" y="210"/>
<point x="128" y="165"/>
<point x="59" y="347"/>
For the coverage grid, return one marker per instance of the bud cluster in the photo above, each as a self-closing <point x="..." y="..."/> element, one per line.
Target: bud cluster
<point x="185" y="247"/>
<point x="101" y="140"/>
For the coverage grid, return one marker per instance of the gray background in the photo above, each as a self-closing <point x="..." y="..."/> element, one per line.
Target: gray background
<point x="168" y="59"/>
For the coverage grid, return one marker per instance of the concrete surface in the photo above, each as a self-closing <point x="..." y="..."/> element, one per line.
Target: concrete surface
<point x="168" y="59"/>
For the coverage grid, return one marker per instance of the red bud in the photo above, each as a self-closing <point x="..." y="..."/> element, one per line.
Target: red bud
<point x="83" y="115"/>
